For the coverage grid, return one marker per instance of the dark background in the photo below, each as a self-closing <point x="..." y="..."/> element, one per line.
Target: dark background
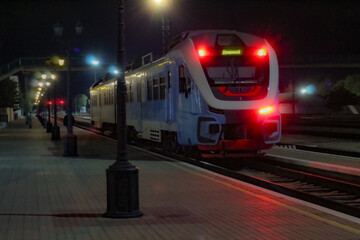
<point x="329" y="29"/>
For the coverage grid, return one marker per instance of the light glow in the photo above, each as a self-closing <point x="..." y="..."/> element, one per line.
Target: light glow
<point x="266" y="110"/>
<point x="202" y="52"/>
<point x="261" y="52"/>
<point x="231" y="52"/>
<point x="95" y="62"/>
<point x="61" y="62"/>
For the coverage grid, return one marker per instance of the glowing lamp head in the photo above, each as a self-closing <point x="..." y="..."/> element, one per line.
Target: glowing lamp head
<point x="261" y="52"/>
<point x="95" y="62"/>
<point x="266" y="110"/>
<point x="61" y="62"/>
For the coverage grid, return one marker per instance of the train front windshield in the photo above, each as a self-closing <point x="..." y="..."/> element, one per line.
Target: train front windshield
<point x="234" y="72"/>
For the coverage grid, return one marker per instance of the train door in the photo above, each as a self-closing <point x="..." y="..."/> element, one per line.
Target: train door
<point x="139" y="100"/>
<point x="184" y="88"/>
<point x="100" y="109"/>
<point x="169" y="104"/>
<point x="114" y="96"/>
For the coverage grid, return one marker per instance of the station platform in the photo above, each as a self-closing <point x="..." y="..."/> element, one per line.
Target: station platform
<point x="46" y="196"/>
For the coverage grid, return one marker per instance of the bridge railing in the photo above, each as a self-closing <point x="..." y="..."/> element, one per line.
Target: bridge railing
<point x="28" y="62"/>
<point x="21" y="62"/>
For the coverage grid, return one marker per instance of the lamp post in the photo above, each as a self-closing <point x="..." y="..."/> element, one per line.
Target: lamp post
<point x="70" y="140"/>
<point x="48" y="124"/>
<point x="55" y="134"/>
<point x="122" y="178"/>
<point x="95" y="62"/>
<point x="165" y="22"/>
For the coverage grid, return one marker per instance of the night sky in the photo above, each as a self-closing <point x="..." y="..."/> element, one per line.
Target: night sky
<point x="294" y="28"/>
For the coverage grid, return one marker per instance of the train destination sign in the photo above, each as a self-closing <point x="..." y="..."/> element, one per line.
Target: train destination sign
<point x="231" y="52"/>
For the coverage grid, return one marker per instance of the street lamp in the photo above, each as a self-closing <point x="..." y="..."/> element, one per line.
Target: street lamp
<point x="122" y="178"/>
<point x="95" y="62"/>
<point x="49" y="126"/>
<point x="70" y="141"/>
<point x="55" y="130"/>
<point x="55" y="135"/>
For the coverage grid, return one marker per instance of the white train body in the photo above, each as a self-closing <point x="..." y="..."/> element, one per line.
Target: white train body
<point x="216" y="90"/>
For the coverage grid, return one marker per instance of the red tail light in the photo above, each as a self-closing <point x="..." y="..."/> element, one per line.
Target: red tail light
<point x="266" y="110"/>
<point x="49" y="102"/>
<point x="202" y="52"/>
<point x="261" y="52"/>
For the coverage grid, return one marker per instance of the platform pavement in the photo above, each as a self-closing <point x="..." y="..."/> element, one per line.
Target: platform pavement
<point x="46" y="196"/>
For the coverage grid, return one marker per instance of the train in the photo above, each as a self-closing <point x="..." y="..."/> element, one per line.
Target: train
<point x="214" y="92"/>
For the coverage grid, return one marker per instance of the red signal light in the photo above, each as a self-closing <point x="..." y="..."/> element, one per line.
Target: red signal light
<point x="202" y="52"/>
<point x="261" y="52"/>
<point x="61" y="101"/>
<point x="49" y="103"/>
<point x="266" y="110"/>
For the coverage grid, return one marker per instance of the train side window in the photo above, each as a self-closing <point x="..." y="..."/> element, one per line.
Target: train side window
<point x="156" y="88"/>
<point x="149" y="89"/>
<point x="162" y="88"/>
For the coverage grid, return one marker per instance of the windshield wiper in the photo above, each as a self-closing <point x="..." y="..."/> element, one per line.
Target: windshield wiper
<point x="233" y="73"/>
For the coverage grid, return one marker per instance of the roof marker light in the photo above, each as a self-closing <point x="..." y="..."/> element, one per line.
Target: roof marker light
<point x="266" y="110"/>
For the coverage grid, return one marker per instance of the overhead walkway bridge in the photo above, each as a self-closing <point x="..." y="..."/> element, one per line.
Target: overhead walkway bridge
<point x="34" y="64"/>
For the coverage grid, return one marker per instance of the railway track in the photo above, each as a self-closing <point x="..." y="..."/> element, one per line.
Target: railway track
<point x="337" y="192"/>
